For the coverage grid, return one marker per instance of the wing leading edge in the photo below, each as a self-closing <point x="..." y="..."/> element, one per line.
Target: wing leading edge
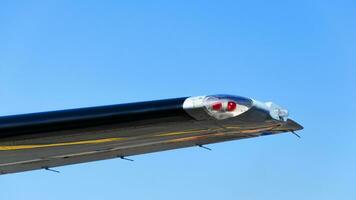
<point x="51" y="139"/>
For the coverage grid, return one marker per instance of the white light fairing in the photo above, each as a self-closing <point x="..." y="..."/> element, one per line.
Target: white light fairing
<point x="216" y="107"/>
<point x="223" y="112"/>
<point x="194" y="106"/>
<point x="275" y="111"/>
<point x="202" y="107"/>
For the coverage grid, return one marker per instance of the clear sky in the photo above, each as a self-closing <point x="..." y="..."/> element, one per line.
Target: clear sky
<point x="299" y="54"/>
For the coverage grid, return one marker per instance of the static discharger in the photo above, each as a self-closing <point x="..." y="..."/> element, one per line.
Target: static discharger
<point x="51" y="170"/>
<point x="204" y="147"/>
<point x="294" y="133"/>
<point x="124" y="158"/>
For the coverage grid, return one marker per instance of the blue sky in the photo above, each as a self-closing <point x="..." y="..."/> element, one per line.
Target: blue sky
<point x="299" y="54"/>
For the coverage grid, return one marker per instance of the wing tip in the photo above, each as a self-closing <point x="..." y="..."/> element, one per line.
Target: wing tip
<point x="293" y="125"/>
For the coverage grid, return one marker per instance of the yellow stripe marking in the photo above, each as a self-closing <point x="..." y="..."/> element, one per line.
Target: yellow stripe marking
<point x="192" y="138"/>
<point x="19" y="147"/>
<point x="180" y="132"/>
<point x="98" y="141"/>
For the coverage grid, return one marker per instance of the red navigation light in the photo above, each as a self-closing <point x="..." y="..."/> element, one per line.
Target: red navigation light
<point x="231" y="106"/>
<point x="217" y="106"/>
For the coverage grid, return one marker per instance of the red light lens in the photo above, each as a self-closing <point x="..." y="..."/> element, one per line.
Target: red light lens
<point x="231" y="106"/>
<point x="217" y="106"/>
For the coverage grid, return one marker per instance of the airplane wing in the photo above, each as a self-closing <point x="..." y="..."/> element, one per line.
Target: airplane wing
<point x="52" y="139"/>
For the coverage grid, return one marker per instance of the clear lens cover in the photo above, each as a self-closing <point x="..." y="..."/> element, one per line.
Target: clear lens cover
<point x="226" y="106"/>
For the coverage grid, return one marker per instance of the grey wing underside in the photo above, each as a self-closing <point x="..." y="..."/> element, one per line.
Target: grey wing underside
<point x="30" y="154"/>
<point x="42" y="153"/>
<point x="102" y="154"/>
